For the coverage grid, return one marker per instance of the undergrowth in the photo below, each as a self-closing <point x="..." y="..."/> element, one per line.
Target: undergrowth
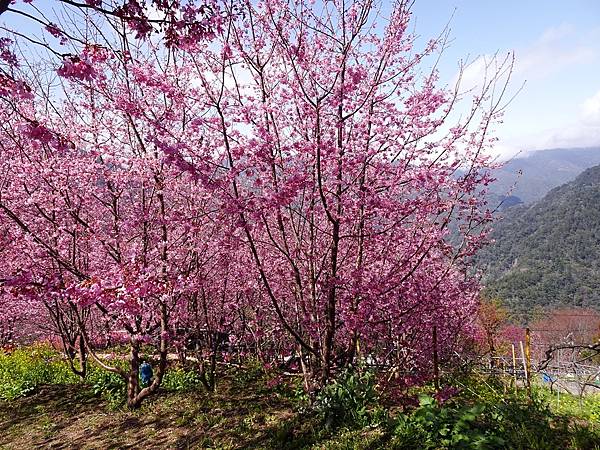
<point x="472" y="412"/>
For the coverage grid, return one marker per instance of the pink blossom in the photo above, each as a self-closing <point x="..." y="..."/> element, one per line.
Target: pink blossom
<point x="54" y="30"/>
<point x="6" y="54"/>
<point x="76" y="68"/>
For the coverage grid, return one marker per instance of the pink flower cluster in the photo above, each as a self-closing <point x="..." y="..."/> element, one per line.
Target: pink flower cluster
<point x="77" y="68"/>
<point x="10" y="88"/>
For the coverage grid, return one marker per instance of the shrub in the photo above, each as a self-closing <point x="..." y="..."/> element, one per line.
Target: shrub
<point x="484" y="417"/>
<point x="181" y="380"/>
<point x="350" y="399"/>
<point x="26" y="368"/>
<point x="432" y="426"/>
<point x="108" y="385"/>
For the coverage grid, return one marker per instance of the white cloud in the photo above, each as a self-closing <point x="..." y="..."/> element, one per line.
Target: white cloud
<point x="550" y="65"/>
<point x="571" y="136"/>
<point x="473" y="73"/>
<point x="505" y="151"/>
<point x="553" y="34"/>
<point x="590" y="110"/>
<point x="583" y="131"/>
<point x="556" y="49"/>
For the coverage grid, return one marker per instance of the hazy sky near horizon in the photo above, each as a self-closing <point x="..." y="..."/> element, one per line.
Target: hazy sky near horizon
<point x="557" y="51"/>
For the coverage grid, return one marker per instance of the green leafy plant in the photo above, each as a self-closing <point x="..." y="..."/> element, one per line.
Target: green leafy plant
<point x="433" y="426"/>
<point x="350" y="399"/>
<point x="108" y="385"/>
<point x="180" y="380"/>
<point x="26" y="368"/>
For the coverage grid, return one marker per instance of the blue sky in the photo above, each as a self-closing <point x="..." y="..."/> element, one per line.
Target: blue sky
<point x="557" y="49"/>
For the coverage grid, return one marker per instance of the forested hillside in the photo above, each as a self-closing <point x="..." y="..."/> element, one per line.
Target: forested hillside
<point x="548" y="253"/>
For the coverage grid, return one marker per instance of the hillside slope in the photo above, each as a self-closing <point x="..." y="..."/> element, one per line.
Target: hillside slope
<point x="548" y="253"/>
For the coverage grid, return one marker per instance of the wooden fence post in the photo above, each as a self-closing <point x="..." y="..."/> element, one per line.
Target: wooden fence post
<point x="523" y="361"/>
<point x="514" y="356"/>
<point x="528" y="359"/>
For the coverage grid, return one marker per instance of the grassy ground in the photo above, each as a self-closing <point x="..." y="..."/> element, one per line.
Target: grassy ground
<point x="70" y="416"/>
<point x="46" y="407"/>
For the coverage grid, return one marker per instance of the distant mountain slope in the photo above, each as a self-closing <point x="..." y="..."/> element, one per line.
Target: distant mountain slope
<point x="542" y="171"/>
<point x="548" y="253"/>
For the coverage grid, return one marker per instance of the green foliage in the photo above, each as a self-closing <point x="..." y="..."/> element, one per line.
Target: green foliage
<point x="484" y="414"/>
<point x="27" y="368"/>
<point x="527" y="424"/>
<point x="432" y="426"/>
<point x="595" y="411"/>
<point x="108" y="385"/>
<point x="545" y="254"/>
<point x="252" y="371"/>
<point x="350" y="399"/>
<point x="510" y="424"/>
<point x="181" y="380"/>
<point x="564" y="404"/>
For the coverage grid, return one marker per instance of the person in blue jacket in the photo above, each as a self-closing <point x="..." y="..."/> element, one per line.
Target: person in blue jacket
<point x="146" y="373"/>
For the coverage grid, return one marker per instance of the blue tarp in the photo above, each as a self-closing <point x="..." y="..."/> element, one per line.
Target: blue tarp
<point x="547" y="378"/>
<point x="146" y="373"/>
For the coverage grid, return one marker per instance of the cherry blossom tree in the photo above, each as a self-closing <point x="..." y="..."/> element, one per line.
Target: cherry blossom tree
<point x="493" y="320"/>
<point x="177" y="23"/>
<point x="103" y="225"/>
<point x="564" y="326"/>
<point x="300" y="182"/>
<point x="344" y="174"/>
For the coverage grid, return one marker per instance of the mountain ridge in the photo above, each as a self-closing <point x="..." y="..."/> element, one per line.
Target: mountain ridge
<point x="531" y="176"/>
<point x="548" y="253"/>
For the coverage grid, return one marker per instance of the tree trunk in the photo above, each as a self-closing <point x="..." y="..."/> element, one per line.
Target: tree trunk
<point x="135" y="395"/>
<point x="133" y="385"/>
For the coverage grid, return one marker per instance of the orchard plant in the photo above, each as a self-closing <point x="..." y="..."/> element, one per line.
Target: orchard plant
<point x="279" y="177"/>
<point x="344" y="176"/>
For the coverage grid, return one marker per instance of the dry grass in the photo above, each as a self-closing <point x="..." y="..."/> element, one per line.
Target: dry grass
<point x="69" y="417"/>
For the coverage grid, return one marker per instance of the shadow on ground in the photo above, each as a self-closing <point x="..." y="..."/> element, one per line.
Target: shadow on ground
<point x="71" y="417"/>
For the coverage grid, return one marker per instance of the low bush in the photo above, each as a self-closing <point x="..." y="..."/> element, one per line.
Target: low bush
<point x="108" y="385"/>
<point x="350" y="399"/>
<point x="181" y="380"/>
<point x="432" y="426"/>
<point x="23" y="370"/>
<point x="485" y="415"/>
